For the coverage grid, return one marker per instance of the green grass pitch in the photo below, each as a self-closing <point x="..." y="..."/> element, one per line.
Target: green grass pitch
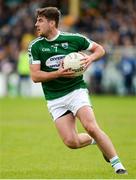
<point x="31" y="148"/>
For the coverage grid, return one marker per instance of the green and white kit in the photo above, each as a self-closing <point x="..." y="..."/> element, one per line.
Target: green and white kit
<point x="72" y="102"/>
<point x="49" y="53"/>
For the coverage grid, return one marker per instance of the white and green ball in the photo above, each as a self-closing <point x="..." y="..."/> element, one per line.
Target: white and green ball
<point x="73" y="61"/>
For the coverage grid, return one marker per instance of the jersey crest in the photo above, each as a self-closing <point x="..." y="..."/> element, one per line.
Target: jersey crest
<point x="65" y="45"/>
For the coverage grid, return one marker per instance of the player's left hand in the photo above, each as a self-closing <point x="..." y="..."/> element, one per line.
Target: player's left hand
<point x="86" y="61"/>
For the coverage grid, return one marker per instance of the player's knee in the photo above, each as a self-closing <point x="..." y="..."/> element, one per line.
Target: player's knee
<point x="71" y="143"/>
<point x="92" y="130"/>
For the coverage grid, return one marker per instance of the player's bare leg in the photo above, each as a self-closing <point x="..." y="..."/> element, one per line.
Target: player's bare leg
<point x="66" y="126"/>
<point x="87" y="118"/>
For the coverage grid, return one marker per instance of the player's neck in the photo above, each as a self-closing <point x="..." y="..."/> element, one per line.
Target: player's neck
<point x="53" y="35"/>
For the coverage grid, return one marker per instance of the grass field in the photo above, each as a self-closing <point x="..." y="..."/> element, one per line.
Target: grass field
<point x="31" y="148"/>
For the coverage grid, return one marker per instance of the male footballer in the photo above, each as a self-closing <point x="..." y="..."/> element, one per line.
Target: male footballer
<point x="67" y="94"/>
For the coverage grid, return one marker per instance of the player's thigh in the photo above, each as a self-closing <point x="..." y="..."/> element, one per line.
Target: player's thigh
<point x="87" y="117"/>
<point x="66" y="126"/>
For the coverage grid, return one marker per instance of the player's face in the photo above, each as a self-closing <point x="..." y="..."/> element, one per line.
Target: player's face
<point x="43" y="26"/>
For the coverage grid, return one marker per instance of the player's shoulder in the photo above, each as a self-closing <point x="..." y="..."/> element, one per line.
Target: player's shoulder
<point x="74" y="35"/>
<point x="35" y="41"/>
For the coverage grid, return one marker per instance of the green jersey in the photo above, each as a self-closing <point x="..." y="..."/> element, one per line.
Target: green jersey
<point x="49" y="53"/>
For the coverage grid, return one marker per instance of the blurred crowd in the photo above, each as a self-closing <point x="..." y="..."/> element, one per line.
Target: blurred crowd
<point x="111" y="23"/>
<point x="16" y="28"/>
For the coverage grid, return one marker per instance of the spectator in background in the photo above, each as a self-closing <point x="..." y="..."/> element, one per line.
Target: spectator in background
<point x="96" y="77"/>
<point x="23" y="67"/>
<point x="127" y="66"/>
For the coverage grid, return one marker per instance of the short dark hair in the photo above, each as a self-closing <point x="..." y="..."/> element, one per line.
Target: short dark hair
<point x="51" y="13"/>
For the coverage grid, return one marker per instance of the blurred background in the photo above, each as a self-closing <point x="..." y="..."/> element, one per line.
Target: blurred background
<point x="30" y="146"/>
<point x="112" y="23"/>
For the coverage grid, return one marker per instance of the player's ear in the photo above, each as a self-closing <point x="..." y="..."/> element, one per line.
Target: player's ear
<point x="52" y="23"/>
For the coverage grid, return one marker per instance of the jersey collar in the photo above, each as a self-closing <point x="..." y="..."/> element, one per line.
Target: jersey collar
<point x="54" y="38"/>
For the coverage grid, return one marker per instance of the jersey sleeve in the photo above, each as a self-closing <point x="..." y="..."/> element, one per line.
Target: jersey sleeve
<point x="84" y="43"/>
<point x="33" y="55"/>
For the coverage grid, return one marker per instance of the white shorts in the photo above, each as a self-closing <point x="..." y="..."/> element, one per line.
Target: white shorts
<point x="72" y="102"/>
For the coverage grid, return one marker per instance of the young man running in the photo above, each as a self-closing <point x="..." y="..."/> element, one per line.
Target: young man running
<point x="67" y="95"/>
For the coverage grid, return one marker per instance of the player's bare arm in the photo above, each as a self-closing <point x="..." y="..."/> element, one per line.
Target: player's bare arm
<point x="97" y="51"/>
<point x="38" y="75"/>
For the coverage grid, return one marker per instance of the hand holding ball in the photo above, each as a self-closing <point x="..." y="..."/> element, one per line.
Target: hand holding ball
<point x="73" y="62"/>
